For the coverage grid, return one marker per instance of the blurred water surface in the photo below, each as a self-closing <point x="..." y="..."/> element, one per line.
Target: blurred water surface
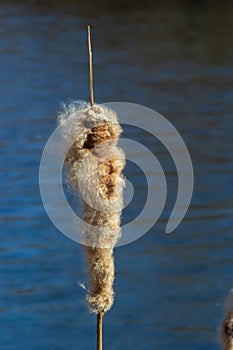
<point x="170" y="290"/>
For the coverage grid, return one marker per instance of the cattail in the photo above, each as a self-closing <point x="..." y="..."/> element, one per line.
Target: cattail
<point x="227" y="326"/>
<point x="93" y="169"/>
<point x="94" y="165"/>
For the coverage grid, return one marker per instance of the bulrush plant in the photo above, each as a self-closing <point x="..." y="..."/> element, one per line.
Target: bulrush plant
<point x="93" y="170"/>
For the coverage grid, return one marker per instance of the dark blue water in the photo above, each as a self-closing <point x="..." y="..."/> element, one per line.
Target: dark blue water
<point x="170" y="290"/>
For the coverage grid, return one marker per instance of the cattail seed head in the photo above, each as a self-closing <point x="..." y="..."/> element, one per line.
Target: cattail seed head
<point x="94" y="165"/>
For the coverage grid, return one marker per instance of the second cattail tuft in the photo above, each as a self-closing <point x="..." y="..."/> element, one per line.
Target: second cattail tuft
<point x="227" y="326"/>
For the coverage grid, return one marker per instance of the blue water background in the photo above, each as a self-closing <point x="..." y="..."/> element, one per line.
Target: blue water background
<point x="170" y="290"/>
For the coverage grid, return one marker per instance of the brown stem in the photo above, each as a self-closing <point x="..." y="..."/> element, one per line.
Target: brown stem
<point x="90" y="67"/>
<point x="99" y="335"/>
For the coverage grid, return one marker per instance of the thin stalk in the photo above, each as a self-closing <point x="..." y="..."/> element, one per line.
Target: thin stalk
<point x="99" y="335"/>
<point x="90" y="67"/>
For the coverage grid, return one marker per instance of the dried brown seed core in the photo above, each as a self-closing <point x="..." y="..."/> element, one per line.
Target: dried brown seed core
<point x="98" y="134"/>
